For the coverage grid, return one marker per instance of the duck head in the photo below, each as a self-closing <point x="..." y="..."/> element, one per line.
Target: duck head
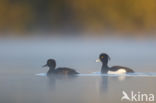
<point x="51" y="63"/>
<point x="103" y="57"/>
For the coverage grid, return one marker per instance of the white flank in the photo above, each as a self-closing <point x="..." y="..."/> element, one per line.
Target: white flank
<point x="120" y="71"/>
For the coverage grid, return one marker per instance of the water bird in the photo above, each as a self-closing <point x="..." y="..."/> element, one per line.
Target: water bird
<point x="104" y="58"/>
<point x="51" y="63"/>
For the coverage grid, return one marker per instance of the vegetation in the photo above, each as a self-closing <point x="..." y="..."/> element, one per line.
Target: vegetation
<point x="85" y="15"/>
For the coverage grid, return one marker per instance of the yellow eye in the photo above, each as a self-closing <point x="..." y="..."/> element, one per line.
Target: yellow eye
<point x="102" y="56"/>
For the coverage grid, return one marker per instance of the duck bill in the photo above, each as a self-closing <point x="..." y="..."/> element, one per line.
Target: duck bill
<point x="98" y="60"/>
<point x="44" y="65"/>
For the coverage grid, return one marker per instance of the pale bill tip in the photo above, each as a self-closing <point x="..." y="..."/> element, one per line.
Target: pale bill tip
<point x="98" y="60"/>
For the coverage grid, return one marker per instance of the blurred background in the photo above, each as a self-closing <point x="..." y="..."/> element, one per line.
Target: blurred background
<point x="97" y="17"/>
<point x="74" y="33"/>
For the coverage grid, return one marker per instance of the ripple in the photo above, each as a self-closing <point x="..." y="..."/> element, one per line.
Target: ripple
<point x="136" y="74"/>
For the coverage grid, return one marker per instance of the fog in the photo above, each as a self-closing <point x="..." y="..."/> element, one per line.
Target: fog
<point x="23" y="58"/>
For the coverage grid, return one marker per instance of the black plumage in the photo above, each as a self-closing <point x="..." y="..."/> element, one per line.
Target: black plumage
<point x="104" y="58"/>
<point x="51" y="63"/>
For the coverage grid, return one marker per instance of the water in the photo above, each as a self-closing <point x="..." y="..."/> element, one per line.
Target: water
<point x="22" y="59"/>
<point x="136" y="74"/>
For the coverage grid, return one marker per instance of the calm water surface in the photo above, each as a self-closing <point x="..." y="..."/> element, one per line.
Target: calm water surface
<point x="21" y="59"/>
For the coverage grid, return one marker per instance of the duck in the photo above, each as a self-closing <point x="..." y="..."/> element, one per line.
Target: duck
<point x="105" y="69"/>
<point x="51" y="63"/>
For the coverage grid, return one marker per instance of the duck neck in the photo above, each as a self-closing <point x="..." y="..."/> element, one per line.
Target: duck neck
<point x="104" y="68"/>
<point x="51" y="69"/>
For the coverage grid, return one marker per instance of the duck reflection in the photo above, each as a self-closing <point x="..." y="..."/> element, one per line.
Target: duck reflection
<point x="104" y="84"/>
<point x="53" y="78"/>
<point x="105" y="81"/>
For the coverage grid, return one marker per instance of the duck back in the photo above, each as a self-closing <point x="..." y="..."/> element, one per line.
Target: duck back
<point x="65" y="71"/>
